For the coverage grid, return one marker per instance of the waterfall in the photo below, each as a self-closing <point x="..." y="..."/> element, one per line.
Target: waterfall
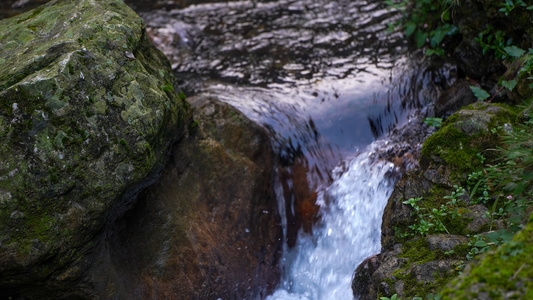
<point x="321" y="265"/>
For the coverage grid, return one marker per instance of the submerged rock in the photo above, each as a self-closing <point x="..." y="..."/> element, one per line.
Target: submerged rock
<point x="87" y="115"/>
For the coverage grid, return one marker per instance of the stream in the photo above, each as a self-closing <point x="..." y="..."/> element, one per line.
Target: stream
<point x="342" y="98"/>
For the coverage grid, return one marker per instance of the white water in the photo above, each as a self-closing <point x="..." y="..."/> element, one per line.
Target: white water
<point x="321" y="266"/>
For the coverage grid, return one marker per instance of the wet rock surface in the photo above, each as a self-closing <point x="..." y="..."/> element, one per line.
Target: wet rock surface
<point x="209" y="227"/>
<point x="88" y="113"/>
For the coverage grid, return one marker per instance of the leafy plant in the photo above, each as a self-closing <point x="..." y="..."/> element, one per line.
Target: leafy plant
<point x="428" y="219"/>
<point x="433" y="122"/>
<point x="489" y="39"/>
<point x="480" y="93"/>
<point x="426" y="21"/>
<point x="393" y="297"/>
<point x="509" y="5"/>
<point x="454" y="200"/>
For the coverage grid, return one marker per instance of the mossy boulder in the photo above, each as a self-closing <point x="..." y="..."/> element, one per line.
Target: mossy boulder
<point x="465" y="137"/>
<point x="88" y="113"/>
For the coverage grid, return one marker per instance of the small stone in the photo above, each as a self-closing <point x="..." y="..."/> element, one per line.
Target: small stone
<point x="478" y="214"/>
<point x="129" y="55"/>
<point x="445" y="242"/>
<point x="399" y="287"/>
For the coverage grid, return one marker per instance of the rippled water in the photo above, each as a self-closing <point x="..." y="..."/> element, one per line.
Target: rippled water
<point x="326" y="77"/>
<point x="330" y="83"/>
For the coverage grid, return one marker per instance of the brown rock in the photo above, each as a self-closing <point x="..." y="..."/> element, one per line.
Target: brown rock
<point x="209" y="227"/>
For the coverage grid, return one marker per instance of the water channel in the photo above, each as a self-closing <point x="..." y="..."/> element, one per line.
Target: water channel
<point x="334" y="87"/>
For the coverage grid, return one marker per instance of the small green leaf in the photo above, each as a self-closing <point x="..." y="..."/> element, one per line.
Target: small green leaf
<point x="480" y="244"/>
<point x="420" y="38"/>
<point x="514" y="51"/>
<point x="505" y="235"/>
<point x="509" y="84"/>
<point x="434" y="122"/>
<point x="410" y="28"/>
<point x="437" y="37"/>
<point x="445" y="15"/>
<point x="437" y="51"/>
<point x="480" y="93"/>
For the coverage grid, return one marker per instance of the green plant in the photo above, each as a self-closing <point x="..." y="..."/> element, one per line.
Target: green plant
<point x="484" y="243"/>
<point x="427" y="218"/>
<point x="428" y="22"/>
<point x="509" y="5"/>
<point x="489" y="39"/>
<point x="433" y="122"/>
<point x="393" y="297"/>
<point x="454" y="199"/>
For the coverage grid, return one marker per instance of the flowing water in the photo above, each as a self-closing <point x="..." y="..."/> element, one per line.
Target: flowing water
<point x="332" y="85"/>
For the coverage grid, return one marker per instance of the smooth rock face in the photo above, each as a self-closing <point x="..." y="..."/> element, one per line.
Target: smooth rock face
<point x="209" y="227"/>
<point x="87" y="115"/>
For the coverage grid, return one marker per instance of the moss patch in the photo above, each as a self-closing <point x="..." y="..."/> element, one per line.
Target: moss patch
<point x="509" y="269"/>
<point x="466" y="134"/>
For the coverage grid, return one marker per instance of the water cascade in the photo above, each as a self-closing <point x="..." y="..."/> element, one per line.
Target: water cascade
<point x="332" y="85"/>
<point x="321" y="266"/>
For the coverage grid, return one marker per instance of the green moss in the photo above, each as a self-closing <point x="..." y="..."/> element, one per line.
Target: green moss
<point x="465" y="134"/>
<point x="167" y="88"/>
<point x="508" y="269"/>
<point x="417" y="251"/>
<point x="30" y="15"/>
<point x="453" y="147"/>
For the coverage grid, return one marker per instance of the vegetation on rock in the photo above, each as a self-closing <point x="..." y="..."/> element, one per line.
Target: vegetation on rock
<point x="475" y="182"/>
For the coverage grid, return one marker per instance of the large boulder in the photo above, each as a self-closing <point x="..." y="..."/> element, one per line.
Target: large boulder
<point x="209" y="228"/>
<point x="88" y="113"/>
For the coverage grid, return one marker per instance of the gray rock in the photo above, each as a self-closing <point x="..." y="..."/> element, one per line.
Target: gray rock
<point x="476" y="120"/>
<point x="454" y="98"/>
<point x="399" y="287"/>
<point x="427" y="272"/>
<point x="478" y="214"/>
<point x="445" y="242"/>
<point x="362" y="284"/>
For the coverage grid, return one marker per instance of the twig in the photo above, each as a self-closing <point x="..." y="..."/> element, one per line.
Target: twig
<point x="518" y="271"/>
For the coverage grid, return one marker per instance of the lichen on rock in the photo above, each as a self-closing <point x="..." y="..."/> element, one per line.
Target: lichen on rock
<point x="86" y="123"/>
